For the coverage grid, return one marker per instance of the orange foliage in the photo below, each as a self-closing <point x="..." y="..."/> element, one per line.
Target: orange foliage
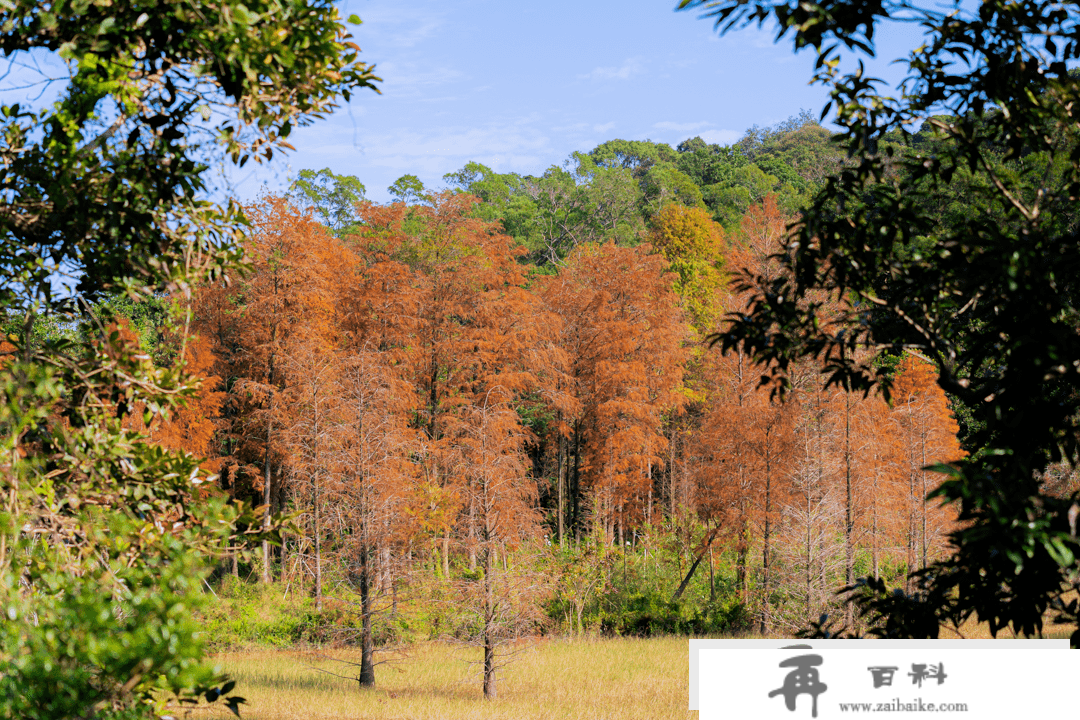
<point x="624" y="334"/>
<point x="191" y="426"/>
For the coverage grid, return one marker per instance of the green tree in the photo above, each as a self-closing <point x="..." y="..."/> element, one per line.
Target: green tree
<point x="408" y="189"/>
<point x="664" y="183"/>
<point x="103" y="534"/>
<point x="691" y="243"/>
<point x="634" y="155"/>
<point x="988" y="296"/>
<point x="504" y="197"/>
<point x="332" y="197"/>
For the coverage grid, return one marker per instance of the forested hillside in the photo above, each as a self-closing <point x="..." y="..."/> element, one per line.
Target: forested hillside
<point x="491" y="409"/>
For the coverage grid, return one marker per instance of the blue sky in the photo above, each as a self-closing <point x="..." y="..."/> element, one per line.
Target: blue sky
<point x="519" y="86"/>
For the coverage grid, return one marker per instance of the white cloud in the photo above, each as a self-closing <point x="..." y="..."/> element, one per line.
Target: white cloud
<point x="512" y="146"/>
<point x="603" y="128"/>
<point x="681" y="127"/>
<point x="399" y="27"/>
<point x="630" y="67"/>
<point x="415" y="81"/>
<point x="705" y="129"/>
<point x="721" y="137"/>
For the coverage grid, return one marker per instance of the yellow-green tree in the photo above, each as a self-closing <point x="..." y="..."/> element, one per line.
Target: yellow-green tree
<point x="692" y="244"/>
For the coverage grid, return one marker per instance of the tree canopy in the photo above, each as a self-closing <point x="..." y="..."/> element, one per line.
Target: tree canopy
<point x="103" y="534"/>
<point x="987" y="294"/>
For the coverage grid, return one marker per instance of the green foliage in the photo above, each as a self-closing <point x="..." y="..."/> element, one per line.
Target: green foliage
<point x="628" y="592"/>
<point x="105" y="630"/>
<point x="332" y="197"/>
<point x="118" y="160"/>
<point x="407" y="189"/>
<point x="152" y="320"/>
<point x="249" y="615"/>
<point x="504" y="199"/>
<point x="638" y="156"/>
<point x="789" y="160"/>
<point x="100" y="531"/>
<point x="664" y="183"/>
<point x="963" y="244"/>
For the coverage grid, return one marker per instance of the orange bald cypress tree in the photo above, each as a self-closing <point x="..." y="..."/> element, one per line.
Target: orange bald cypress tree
<point x="624" y="333"/>
<point x="488" y="442"/>
<point x="375" y="477"/>
<point x="295" y="264"/>
<point x="470" y="326"/>
<point x="192" y="426"/>
<point x="313" y="401"/>
<point x="745" y="440"/>
<point x="927" y="436"/>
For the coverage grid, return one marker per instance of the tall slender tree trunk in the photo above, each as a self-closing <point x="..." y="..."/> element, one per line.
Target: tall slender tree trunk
<point x="765" y="559"/>
<point x="809" y="559"/>
<point x="386" y="570"/>
<point x="490" y="690"/>
<point x="562" y="483"/>
<point x="575" y="495"/>
<point x="317" y="530"/>
<point x="922" y="475"/>
<point x="446" y="553"/>
<point x="874" y="532"/>
<point x="266" y="578"/>
<point x="910" y="540"/>
<point x="648" y="507"/>
<point x="367" y="645"/>
<point x="849" y="515"/>
<point x="712" y="578"/>
<point x="472" y="536"/>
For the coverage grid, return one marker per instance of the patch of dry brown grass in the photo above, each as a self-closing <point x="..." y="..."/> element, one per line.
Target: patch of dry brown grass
<point x="588" y="679"/>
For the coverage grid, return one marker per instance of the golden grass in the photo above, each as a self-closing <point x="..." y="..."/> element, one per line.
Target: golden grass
<point x="584" y="679"/>
<point x="549" y="680"/>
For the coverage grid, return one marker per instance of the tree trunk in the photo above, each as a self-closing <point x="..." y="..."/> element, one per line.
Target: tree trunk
<point x="489" y="599"/>
<point x="765" y="564"/>
<point x="318" y="544"/>
<point x="874" y="534"/>
<point x="575" y="491"/>
<point x="712" y="578"/>
<point x="562" y="482"/>
<point x="741" y="560"/>
<point x="446" y="554"/>
<point x="266" y="502"/>
<point x="367" y="646"/>
<point x="472" y="537"/>
<point x="849" y="515"/>
<point x="386" y="570"/>
<point x="693" y="568"/>
<point x="922" y="474"/>
<point x="809" y="560"/>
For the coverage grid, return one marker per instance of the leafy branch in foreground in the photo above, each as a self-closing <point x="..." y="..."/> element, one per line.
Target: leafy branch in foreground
<point x="103" y="535"/>
<point x="988" y="294"/>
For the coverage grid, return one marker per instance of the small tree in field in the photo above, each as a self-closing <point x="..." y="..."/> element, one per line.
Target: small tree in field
<point x="488" y="441"/>
<point x="374" y="442"/>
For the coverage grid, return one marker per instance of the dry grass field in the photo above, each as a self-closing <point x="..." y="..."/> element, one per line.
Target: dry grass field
<point x="562" y="679"/>
<point x="548" y="680"/>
